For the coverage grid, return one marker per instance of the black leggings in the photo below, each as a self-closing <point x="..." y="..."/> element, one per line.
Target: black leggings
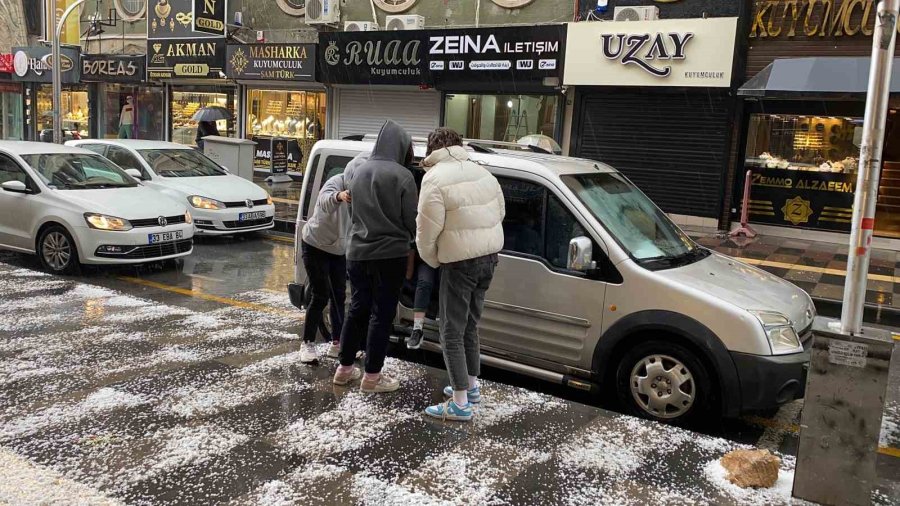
<point x="327" y="278"/>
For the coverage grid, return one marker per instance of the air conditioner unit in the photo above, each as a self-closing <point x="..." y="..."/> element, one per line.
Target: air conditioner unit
<point x="323" y="12"/>
<point x="405" y="22"/>
<point x="360" y="26"/>
<point x="645" y="13"/>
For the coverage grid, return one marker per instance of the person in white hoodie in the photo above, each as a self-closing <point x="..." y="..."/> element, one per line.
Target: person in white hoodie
<point x="323" y="249"/>
<point x="459" y="228"/>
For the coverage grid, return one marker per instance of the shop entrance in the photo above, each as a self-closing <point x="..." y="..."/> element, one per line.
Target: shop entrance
<point x="131" y="112"/>
<point x="502" y="117"/>
<point x="187" y="100"/>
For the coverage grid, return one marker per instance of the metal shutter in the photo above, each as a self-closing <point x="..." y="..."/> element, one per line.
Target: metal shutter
<point x="673" y="145"/>
<point x="363" y="111"/>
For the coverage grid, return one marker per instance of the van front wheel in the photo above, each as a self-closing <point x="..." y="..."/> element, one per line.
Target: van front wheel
<point x="663" y="381"/>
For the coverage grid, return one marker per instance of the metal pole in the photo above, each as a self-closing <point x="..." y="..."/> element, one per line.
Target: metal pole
<point x="863" y="224"/>
<point x="57" y="73"/>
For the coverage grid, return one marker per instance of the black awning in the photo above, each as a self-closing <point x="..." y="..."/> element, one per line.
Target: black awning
<point x="815" y="76"/>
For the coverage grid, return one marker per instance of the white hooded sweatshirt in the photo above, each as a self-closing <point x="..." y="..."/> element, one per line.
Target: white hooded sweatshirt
<point x="461" y="209"/>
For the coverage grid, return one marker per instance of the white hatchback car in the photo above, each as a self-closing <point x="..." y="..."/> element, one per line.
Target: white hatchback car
<point x="72" y="206"/>
<point x="221" y="203"/>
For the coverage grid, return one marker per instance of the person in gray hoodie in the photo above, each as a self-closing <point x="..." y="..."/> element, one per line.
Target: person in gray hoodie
<point x="382" y="231"/>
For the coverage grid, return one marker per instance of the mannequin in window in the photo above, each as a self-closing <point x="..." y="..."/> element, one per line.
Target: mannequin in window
<point x="126" y="119"/>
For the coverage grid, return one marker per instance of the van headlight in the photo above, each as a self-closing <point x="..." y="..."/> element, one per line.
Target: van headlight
<point x="104" y="222"/>
<point x="783" y="339"/>
<point x="205" y="202"/>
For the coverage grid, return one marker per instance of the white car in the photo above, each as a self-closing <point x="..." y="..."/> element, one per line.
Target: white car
<point x="221" y="203"/>
<point x="71" y="206"/>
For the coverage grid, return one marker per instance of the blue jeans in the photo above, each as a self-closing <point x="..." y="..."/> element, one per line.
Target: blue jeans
<point x="426" y="278"/>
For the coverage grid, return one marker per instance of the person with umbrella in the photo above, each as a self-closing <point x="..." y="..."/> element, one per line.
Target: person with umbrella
<point x="206" y="118"/>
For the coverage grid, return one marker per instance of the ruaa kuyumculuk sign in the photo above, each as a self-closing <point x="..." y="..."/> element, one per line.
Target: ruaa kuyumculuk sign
<point x="671" y="52"/>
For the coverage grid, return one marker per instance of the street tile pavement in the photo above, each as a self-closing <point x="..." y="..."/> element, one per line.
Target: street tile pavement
<point x="817" y="267"/>
<point x="143" y="402"/>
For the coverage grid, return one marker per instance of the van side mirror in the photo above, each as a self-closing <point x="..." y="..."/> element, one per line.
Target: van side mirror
<point x="581" y="255"/>
<point x="15" y="187"/>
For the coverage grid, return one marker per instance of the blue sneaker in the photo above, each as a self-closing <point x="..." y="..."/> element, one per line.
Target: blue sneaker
<point x="449" y="410"/>
<point x="473" y="393"/>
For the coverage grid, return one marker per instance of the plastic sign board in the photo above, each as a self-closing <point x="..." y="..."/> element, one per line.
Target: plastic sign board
<point x="672" y="52"/>
<point x="209" y="16"/>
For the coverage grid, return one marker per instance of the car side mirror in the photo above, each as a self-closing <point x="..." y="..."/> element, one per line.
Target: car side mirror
<point x="15" y="187"/>
<point x="135" y="174"/>
<point x="581" y="255"/>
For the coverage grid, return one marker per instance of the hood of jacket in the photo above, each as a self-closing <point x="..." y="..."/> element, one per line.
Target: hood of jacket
<point x="451" y="153"/>
<point x="393" y="143"/>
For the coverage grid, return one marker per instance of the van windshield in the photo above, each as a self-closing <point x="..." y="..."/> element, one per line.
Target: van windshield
<point x="645" y="232"/>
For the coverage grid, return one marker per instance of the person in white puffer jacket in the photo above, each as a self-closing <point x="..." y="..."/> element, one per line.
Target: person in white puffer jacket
<point x="459" y="228"/>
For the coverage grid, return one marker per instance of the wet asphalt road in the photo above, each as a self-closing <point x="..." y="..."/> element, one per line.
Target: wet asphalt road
<point x="230" y="289"/>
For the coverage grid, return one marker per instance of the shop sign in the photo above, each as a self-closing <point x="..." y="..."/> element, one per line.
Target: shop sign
<point x="173" y="19"/>
<point x="35" y="64"/>
<point x="457" y="57"/>
<point x="279" y="154"/>
<point x="113" y="68"/>
<point x="209" y="16"/>
<point x="186" y="58"/>
<point x="278" y="62"/>
<point x="6" y="63"/>
<point x="813" y="18"/>
<point x="671" y="52"/>
<point x="265" y="156"/>
<point x="808" y="199"/>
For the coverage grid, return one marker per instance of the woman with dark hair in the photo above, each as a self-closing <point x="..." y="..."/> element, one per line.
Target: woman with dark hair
<point x="205" y="128"/>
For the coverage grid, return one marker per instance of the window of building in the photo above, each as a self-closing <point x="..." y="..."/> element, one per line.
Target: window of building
<point x="131" y="10"/>
<point x="141" y="118"/>
<point x="11" y="112"/>
<point x="298" y="116"/>
<point x="76" y="113"/>
<point x="186" y="102"/>
<point x="502" y="117"/>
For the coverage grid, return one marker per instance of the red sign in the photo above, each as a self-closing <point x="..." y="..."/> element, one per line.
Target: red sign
<point x="6" y="63"/>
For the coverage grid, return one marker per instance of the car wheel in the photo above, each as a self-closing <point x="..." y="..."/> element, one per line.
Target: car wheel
<point x="663" y="381"/>
<point x="56" y="250"/>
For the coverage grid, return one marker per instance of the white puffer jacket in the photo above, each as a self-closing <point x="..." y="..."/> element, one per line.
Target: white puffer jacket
<point x="461" y="209"/>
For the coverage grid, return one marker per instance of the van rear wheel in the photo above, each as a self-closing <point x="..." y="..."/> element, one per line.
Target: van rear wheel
<point x="663" y="381"/>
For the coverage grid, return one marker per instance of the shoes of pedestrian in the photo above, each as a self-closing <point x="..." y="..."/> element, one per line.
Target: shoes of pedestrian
<point x="347" y="377"/>
<point x="360" y="355"/>
<point x="414" y="340"/>
<point x="384" y="383"/>
<point x="449" y="410"/>
<point x="308" y="353"/>
<point x="473" y="393"/>
<point x="334" y="351"/>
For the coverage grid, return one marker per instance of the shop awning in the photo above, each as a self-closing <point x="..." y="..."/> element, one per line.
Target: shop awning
<point x="815" y="76"/>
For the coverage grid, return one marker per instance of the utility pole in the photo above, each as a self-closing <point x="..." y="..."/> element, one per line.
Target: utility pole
<point x="57" y="68"/>
<point x="863" y="225"/>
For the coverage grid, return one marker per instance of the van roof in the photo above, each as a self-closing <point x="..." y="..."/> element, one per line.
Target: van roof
<point x="528" y="161"/>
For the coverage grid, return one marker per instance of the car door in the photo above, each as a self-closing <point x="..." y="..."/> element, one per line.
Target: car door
<point x="536" y="308"/>
<point x="18" y="211"/>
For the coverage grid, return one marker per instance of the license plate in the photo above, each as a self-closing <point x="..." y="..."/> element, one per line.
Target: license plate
<point x="255" y="215"/>
<point x="165" y="237"/>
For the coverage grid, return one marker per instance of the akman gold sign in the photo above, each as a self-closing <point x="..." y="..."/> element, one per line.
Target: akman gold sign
<point x="813" y="18"/>
<point x="186" y="58"/>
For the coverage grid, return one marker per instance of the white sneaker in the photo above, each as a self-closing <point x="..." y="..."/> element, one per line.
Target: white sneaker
<point x="308" y="353"/>
<point x="384" y="384"/>
<point x="334" y="351"/>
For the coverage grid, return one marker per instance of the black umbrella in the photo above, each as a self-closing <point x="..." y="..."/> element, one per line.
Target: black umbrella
<point x="211" y="113"/>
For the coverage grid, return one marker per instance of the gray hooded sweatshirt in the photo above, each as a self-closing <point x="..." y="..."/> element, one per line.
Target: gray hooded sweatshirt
<point x="383" y="211"/>
<point x="329" y="225"/>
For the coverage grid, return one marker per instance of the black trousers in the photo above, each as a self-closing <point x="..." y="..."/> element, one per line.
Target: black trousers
<point x="374" y="292"/>
<point x="327" y="277"/>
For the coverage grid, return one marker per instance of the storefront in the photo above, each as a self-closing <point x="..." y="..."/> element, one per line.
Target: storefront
<point x="280" y="100"/>
<point x="191" y="65"/>
<point x="32" y="68"/>
<point x="12" y="115"/>
<point x="127" y="107"/>
<point x="490" y="83"/>
<point x="654" y="100"/>
<point x="805" y="101"/>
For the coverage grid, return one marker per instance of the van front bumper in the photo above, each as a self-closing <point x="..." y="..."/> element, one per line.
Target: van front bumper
<point x="769" y="381"/>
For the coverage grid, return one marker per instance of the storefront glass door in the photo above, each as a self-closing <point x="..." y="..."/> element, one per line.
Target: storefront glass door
<point x="76" y="114"/>
<point x="502" y="117"/>
<point x="185" y="102"/>
<point x="132" y="112"/>
<point x="11" y="111"/>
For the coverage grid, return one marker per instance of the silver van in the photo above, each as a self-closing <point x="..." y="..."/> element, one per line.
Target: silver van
<point x="596" y="287"/>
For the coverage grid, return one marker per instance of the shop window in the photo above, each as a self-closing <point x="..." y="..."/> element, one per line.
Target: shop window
<point x="11" y="112"/>
<point x="502" y="117"/>
<point x="186" y="103"/>
<point x="131" y="112"/>
<point x="76" y="114"/>
<point x="298" y="116"/>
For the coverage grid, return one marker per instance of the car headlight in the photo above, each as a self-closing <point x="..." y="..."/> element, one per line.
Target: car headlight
<point x="269" y="200"/>
<point x="783" y="339"/>
<point x="205" y="203"/>
<point x="188" y="218"/>
<point x="104" y="222"/>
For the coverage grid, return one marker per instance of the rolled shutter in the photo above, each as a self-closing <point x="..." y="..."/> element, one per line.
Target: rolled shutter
<point x="363" y="111"/>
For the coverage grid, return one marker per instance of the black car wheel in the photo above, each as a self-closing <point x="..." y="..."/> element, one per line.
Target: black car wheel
<point x="57" y="251"/>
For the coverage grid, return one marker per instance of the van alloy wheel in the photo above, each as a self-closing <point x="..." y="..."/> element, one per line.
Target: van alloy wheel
<point x="57" y="251"/>
<point x="663" y="386"/>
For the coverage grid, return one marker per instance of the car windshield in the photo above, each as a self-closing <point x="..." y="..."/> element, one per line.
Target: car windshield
<point x="180" y="163"/>
<point x="645" y="232"/>
<point x="76" y="171"/>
